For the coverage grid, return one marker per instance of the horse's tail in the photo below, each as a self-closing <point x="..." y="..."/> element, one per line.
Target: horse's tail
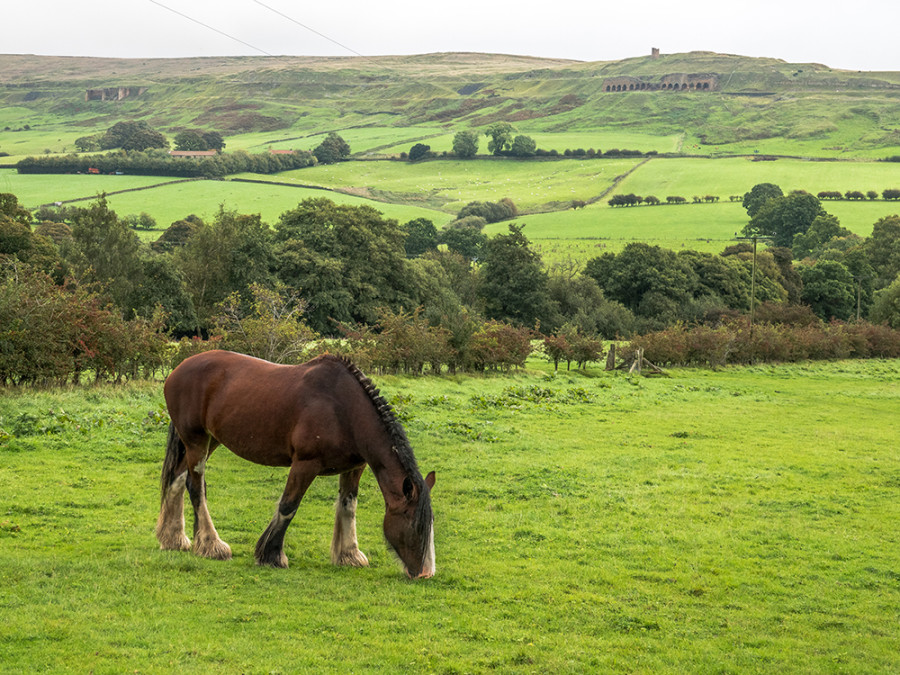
<point x="175" y="452"/>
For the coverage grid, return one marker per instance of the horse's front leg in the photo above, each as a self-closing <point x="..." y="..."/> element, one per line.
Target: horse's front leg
<point x="270" y="547"/>
<point x="206" y="540"/>
<point x="344" y="547"/>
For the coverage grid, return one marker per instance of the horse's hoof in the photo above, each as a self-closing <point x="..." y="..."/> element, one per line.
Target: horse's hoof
<point x="280" y="560"/>
<point x="215" y="550"/>
<point x="177" y="543"/>
<point x="352" y="559"/>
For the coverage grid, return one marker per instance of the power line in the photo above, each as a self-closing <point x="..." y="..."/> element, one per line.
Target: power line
<point x="311" y="30"/>
<point x="205" y="25"/>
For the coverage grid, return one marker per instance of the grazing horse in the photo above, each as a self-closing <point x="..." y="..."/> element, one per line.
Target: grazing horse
<point x="321" y="418"/>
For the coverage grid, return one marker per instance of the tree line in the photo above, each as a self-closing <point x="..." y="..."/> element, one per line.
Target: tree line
<point x="354" y="276"/>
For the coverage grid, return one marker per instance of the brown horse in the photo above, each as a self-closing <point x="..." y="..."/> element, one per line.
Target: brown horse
<point x="321" y="418"/>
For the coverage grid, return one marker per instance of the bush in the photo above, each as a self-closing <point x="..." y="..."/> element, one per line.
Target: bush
<point x="52" y="335"/>
<point x="497" y="346"/>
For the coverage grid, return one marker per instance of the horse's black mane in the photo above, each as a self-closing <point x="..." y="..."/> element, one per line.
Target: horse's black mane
<point x="395" y="430"/>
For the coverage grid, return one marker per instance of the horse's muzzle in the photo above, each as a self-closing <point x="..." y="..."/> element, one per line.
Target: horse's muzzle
<point x="424" y="574"/>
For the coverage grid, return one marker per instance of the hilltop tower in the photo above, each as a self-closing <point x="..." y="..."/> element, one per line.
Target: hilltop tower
<point x="654" y="52"/>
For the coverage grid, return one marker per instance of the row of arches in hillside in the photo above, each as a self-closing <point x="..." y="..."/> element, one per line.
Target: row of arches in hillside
<point x="671" y="86"/>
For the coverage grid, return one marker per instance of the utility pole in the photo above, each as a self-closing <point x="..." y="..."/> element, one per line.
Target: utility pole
<point x="754" y="238"/>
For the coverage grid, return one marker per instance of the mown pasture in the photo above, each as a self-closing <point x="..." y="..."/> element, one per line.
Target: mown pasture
<point x="740" y="520"/>
<point x="450" y="184"/>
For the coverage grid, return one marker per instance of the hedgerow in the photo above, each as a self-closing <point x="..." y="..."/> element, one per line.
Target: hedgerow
<point x="55" y="335"/>
<point x="160" y="163"/>
<point x="737" y="342"/>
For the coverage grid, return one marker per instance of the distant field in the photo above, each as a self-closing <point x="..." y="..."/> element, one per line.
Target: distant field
<point x="203" y="198"/>
<point x="361" y="140"/>
<point x="601" y="140"/>
<point x="34" y="190"/>
<point x="599" y="228"/>
<point x="735" y="176"/>
<point x="450" y="184"/>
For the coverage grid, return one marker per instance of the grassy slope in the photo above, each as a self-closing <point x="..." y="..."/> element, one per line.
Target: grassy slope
<point x="666" y="526"/>
<point x="812" y="108"/>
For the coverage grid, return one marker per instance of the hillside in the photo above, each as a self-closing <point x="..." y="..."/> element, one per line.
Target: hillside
<point x="813" y="109"/>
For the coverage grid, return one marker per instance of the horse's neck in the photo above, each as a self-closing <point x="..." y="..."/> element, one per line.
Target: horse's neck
<point x="389" y="473"/>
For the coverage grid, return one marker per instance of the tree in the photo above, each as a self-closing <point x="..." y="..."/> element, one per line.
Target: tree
<point x="190" y="140"/>
<point x="10" y="209"/>
<point x="177" y="234"/>
<point x="824" y="228"/>
<point x="492" y="212"/>
<point x="652" y="282"/>
<point x="419" y="151"/>
<point x="88" y="143"/>
<point x="759" y="194"/>
<point x="421" y="236"/>
<point x="142" y="221"/>
<point x="886" y="307"/>
<point x="332" y="149"/>
<point x="18" y="242"/>
<point x="464" y="240"/>
<point x="500" y="134"/>
<point x="513" y="282"/>
<point x="213" y="140"/>
<point x="105" y="251"/>
<point x="725" y="280"/>
<point x="224" y="257"/>
<point x="159" y="285"/>
<point x="523" y="146"/>
<point x="883" y="249"/>
<point x="347" y="262"/>
<point x="269" y="327"/>
<point x="829" y="289"/>
<point x="781" y="218"/>
<point x="579" y="301"/>
<point x="465" y="144"/>
<point x="132" y="135"/>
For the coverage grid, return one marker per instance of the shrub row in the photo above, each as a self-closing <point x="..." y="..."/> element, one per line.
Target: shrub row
<point x="157" y="163"/>
<point x="857" y="195"/>
<point x="407" y="343"/>
<point x="738" y="343"/>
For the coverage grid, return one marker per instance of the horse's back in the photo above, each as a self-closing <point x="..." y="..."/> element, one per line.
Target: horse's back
<point x="261" y="411"/>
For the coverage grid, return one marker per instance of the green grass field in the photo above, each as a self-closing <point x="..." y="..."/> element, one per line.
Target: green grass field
<point x="742" y="520"/>
<point x="450" y="184"/>
<point x="203" y="198"/>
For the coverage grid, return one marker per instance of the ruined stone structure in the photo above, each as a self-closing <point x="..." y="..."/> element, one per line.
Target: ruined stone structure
<point x="113" y="93"/>
<point x="671" y="82"/>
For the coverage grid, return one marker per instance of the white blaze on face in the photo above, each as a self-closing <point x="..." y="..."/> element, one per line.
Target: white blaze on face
<point x="428" y="568"/>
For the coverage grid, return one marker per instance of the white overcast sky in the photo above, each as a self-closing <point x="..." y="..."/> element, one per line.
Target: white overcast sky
<point x="860" y="35"/>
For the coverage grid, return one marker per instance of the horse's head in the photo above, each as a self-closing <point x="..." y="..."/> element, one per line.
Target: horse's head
<point x="409" y="527"/>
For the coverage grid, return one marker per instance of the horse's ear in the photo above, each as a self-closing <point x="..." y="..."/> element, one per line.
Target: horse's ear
<point x="429" y="480"/>
<point x="408" y="488"/>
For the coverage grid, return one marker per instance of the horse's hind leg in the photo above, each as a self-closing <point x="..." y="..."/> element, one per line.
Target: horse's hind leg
<point x="270" y="547"/>
<point x="344" y="546"/>
<point x="206" y="540"/>
<point x="170" y="526"/>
